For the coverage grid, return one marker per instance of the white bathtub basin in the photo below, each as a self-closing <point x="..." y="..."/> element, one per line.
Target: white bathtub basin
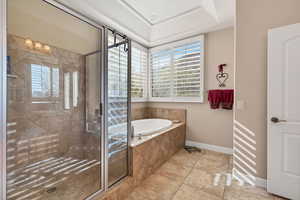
<point x="142" y="127"/>
<point x="145" y="127"/>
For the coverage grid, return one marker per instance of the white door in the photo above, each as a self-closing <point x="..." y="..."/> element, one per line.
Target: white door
<point x="284" y="111"/>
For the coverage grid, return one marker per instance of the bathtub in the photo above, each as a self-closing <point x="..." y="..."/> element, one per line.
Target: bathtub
<point x="142" y="127"/>
<point x="145" y="127"/>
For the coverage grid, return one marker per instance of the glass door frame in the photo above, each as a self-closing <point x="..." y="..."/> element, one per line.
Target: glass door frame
<point x="3" y="102"/>
<point x="103" y="91"/>
<point x="105" y="106"/>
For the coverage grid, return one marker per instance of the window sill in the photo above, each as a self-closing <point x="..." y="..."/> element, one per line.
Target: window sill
<point x="177" y="100"/>
<point x="170" y="100"/>
<point x="142" y="100"/>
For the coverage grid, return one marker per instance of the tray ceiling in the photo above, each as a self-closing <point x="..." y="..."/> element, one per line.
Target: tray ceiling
<point x="158" y="11"/>
<point x="154" y="22"/>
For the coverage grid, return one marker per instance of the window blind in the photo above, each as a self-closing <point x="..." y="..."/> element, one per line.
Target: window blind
<point x="44" y="81"/>
<point x="117" y="83"/>
<point x="187" y="70"/>
<point x="139" y="59"/>
<point x="176" y="71"/>
<point x="161" y="73"/>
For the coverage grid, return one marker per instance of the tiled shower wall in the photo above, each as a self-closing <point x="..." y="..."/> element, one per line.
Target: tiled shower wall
<point x="44" y="127"/>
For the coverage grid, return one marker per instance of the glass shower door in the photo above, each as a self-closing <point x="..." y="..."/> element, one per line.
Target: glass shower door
<point x="53" y="105"/>
<point x="117" y="108"/>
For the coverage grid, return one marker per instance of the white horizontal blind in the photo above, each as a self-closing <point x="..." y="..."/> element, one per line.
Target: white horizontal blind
<point x="117" y="83"/>
<point x="161" y="73"/>
<point x="187" y="70"/>
<point x="177" y="71"/>
<point x="40" y="81"/>
<point x="44" y="81"/>
<point x="139" y="59"/>
<point x="117" y="70"/>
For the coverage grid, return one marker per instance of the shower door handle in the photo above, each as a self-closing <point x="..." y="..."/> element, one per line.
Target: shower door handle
<point x="101" y="109"/>
<point x="276" y="120"/>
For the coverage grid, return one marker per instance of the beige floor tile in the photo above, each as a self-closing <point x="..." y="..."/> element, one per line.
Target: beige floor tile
<point x="157" y="187"/>
<point x="203" y="175"/>
<point x="186" y="159"/>
<point x="136" y="195"/>
<point x="174" y="171"/>
<point x="246" y="192"/>
<point x="230" y="166"/>
<point x="207" y="182"/>
<point x="190" y="193"/>
<point x="213" y="165"/>
<point x="216" y="156"/>
<point x="279" y="198"/>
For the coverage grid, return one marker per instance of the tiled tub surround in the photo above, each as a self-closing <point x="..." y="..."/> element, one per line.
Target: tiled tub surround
<point x="148" y="155"/>
<point x="49" y="153"/>
<point x="161" y="113"/>
<point x="140" y="140"/>
<point x="177" y="116"/>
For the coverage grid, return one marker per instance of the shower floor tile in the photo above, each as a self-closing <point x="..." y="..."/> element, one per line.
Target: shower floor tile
<point x="197" y="176"/>
<point x="35" y="180"/>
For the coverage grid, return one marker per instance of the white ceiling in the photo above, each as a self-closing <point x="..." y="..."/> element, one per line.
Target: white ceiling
<point x="154" y="12"/>
<point x="154" y="22"/>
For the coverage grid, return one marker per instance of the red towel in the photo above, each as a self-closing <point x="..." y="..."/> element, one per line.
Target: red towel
<point x="227" y="99"/>
<point x="214" y="98"/>
<point x="221" y="97"/>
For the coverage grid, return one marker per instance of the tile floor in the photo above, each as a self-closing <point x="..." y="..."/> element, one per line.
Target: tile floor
<point x="196" y="176"/>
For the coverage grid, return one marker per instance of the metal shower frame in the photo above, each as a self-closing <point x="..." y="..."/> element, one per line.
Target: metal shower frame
<point x="103" y="91"/>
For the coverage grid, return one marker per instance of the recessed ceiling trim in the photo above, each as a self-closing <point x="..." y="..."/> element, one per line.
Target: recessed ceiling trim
<point x="135" y="12"/>
<point x="186" y="34"/>
<point x="144" y="18"/>
<point x="178" y="15"/>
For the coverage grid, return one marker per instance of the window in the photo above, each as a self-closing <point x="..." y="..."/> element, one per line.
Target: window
<point x="44" y="82"/>
<point x="139" y="60"/>
<point x="177" y="71"/>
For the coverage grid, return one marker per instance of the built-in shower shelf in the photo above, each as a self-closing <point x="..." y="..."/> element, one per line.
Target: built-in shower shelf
<point x="12" y="76"/>
<point x="31" y="181"/>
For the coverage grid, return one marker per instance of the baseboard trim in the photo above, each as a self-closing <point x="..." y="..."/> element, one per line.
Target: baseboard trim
<point x="260" y="182"/>
<point x="252" y="180"/>
<point x="210" y="147"/>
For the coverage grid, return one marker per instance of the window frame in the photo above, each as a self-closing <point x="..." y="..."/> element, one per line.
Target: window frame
<point x="51" y="98"/>
<point x="170" y="46"/>
<point x="145" y="97"/>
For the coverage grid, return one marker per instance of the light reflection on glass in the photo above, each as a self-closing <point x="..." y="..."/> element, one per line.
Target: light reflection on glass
<point x="67" y="90"/>
<point x="75" y="88"/>
<point x="44" y="82"/>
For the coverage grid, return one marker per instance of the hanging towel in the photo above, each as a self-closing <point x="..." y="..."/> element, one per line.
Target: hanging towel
<point x="214" y="98"/>
<point x="227" y="99"/>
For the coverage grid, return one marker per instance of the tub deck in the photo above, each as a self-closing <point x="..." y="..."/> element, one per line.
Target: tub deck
<point x="140" y="140"/>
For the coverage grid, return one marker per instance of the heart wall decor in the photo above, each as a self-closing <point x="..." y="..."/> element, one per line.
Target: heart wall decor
<point x="222" y="77"/>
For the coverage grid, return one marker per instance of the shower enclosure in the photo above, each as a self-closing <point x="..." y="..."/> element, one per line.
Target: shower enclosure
<point x="67" y="95"/>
